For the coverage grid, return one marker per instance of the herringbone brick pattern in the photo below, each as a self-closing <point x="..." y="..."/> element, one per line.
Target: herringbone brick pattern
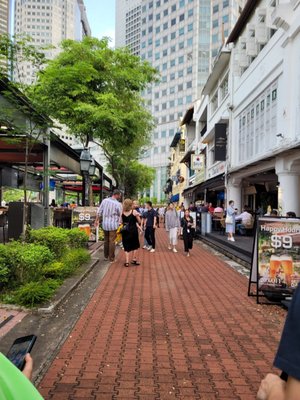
<point x="172" y="328"/>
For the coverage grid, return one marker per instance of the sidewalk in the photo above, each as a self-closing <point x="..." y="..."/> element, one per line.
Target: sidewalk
<point x="175" y="327"/>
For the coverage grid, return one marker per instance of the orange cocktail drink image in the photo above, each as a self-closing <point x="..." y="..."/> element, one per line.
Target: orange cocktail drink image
<point x="288" y="267"/>
<point x="275" y="263"/>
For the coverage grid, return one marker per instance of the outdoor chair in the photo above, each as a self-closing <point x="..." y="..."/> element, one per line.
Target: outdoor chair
<point x="3" y="224"/>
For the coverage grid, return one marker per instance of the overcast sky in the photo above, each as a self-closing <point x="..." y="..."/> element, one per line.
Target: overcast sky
<point x="101" y="15"/>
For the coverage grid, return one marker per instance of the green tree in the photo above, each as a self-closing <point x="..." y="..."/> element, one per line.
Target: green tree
<point x="96" y="92"/>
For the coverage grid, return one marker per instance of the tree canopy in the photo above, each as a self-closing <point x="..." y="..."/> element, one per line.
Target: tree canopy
<point x="96" y="91"/>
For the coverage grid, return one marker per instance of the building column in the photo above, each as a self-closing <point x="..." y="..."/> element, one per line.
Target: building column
<point x="234" y="192"/>
<point x="288" y="192"/>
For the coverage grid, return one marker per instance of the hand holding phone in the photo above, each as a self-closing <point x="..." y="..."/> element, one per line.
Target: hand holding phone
<point x="19" y="349"/>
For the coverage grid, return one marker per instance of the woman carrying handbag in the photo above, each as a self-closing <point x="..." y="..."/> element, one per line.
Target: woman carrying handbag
<point x="130" y="236"/>
<point x="187" y="231"/>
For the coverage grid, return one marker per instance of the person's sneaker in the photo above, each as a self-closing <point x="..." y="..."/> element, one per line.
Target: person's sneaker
<point x="149" y="248"/>
<point x="145" y="247"/>
<point x="188" y="255"/>
<point x="175" y="250"/>
<point x="152" y="251"/>
<point x="232" y="239"/>
<point x="170" y="247"/>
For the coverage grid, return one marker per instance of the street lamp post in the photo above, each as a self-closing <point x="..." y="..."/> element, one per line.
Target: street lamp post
<point x="85" y="165"/>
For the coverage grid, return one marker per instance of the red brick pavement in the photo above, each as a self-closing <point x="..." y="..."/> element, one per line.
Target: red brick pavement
<point x="172" y="328"/>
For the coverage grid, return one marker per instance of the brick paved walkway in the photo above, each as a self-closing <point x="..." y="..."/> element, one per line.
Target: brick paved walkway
<point x="173" y="328"/>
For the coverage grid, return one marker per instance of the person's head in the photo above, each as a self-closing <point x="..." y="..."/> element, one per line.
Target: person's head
<point x="274" y="213"/>
<point x="149" y="205"/>
<point x="291" y="214"/>
<point x="117" y="194"/>
<point x="171" y="206"/>
<point x="231" y="203"/>
<point x="135" y="204"/>
<point x="53" y="202"/>
<point x="127" y="205"/>
<point x="210" y="205"/>
<point x="187" y="213"/>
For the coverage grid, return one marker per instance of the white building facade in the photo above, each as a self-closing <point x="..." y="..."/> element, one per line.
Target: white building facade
<point x="254" y="91"/>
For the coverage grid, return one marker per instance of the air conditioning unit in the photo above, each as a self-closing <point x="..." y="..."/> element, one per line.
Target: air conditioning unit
<point x="261" y="29"/>
<point x="269" y="18"/>
<point x="251" y="45"/>
<point x="244" y="60"/>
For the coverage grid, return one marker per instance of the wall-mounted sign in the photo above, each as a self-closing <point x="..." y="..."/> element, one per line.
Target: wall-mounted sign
<point x="197" y="162"/>
<point x="220" y="142"/>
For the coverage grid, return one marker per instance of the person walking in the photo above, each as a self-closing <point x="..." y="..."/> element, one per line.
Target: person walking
<point x="109" y="213"/>
<point x="172" y="226"/>
<point x="150" y="224"/>
<point x="230" y="221"/>
<point x="187" y="223"/>
<point x="130" y="236"/>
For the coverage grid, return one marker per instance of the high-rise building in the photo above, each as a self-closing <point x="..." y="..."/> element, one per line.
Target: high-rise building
<point x="48" y="23"/>
<point x="224" y="15"/>
<point x="4" y="16"/>
<point x="128" y="24"/>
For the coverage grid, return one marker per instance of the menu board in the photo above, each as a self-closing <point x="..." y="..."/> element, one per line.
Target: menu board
<point x="84" y="219"/>
<point x="278" y="254"/>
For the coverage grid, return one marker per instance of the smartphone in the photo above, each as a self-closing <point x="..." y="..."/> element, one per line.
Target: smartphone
<point x="19" y="349"/>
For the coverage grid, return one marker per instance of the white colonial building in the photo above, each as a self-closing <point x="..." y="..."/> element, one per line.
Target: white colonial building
<point x="253" y="92"/>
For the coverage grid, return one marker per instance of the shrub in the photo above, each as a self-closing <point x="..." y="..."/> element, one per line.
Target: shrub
<point x="54" y="238"/>
<point x="74" y="259"/>
<point x="34" y="293"/>
<point x="77" y="238"/>
<point x="31" y="259"/>
<point x="4" y="270"/>
<point x="54" y="270"/>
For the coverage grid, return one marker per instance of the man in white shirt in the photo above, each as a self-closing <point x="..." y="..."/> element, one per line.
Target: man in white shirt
<point x="245" y="221"/>
<point x="110" y="212"/>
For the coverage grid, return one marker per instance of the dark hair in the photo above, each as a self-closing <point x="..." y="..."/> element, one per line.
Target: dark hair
<point x="274" y="213"/>
<point x="149" y="203"/>
<point x="291" y="214"/>
<point x="116" y="192"/>
<point x="231" y="202"/>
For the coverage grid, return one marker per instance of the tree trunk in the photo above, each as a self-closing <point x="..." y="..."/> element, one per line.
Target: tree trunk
<point x="24" y="222"/>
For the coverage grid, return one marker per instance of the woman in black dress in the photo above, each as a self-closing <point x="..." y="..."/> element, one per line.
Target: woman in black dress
<point x="187" y="230"/>
<point x="130" y="235"/>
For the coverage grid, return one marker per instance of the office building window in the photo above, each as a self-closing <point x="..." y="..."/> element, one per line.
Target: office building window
<point x="188" y="99"/>
<point x="165" y="53"/>
<point x="164" y="134"/>
<point x="215" y="38"/>
<point x="181" y="60"/>
<point x="189" y="42"/>
<point x="165" y="26"/>
<point x="225" y="18"/>
<point x="181" y="3"/>
<point x="166" y="12"/>
<point x="181" y="45"/>
<point x="172" y="63"/>
<point x="181" y="31"/>
<point x="215" y="9"/>
<point x="190" y="27"/>
<point x="157" y="17"/>
<point x="173" y="21"/>
<point x="157" y="29"/>
<point x="173" y="35"/>
<point x="180" y="73"/>
<point x="225" y="3"/>
<point x="181" y="17"/>
<point x="215" y="23"/>
<point x="189" y="70"/>
<point x="173" y="8"/>
<point x="191" y="12"/>
<point x="189" y="84"/>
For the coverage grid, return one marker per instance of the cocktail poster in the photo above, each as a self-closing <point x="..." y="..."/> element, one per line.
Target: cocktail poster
<point x="84" y="219"/>
<point x="278" y="257"/>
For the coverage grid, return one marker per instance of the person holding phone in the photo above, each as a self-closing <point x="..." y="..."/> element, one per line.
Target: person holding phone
<point x="16" y="371"/>
<point x="286" y="387"/>
<point x="187" y="231"/>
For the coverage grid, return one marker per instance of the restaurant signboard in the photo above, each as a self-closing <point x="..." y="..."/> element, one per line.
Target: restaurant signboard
<point x="277" y="256"/>
<point x="84" y="219"/>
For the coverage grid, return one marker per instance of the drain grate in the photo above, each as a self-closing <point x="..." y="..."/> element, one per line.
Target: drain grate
<point x="6" y="320"/>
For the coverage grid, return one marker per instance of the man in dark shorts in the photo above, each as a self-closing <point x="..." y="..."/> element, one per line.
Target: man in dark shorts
<point x="287" y="360"/>
<point x="150" y="217"/>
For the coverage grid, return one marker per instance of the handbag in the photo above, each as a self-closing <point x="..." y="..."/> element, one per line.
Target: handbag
<point x="125" y="228"/>
<point x="229" y="219"/>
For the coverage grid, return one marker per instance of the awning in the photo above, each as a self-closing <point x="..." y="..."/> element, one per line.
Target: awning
<point x="188" y="116"/>
<point x="174" y="198"/>
<point x="176" y="139"/>
<point x="213" y="183"/>
<point x="187" y="157"/>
